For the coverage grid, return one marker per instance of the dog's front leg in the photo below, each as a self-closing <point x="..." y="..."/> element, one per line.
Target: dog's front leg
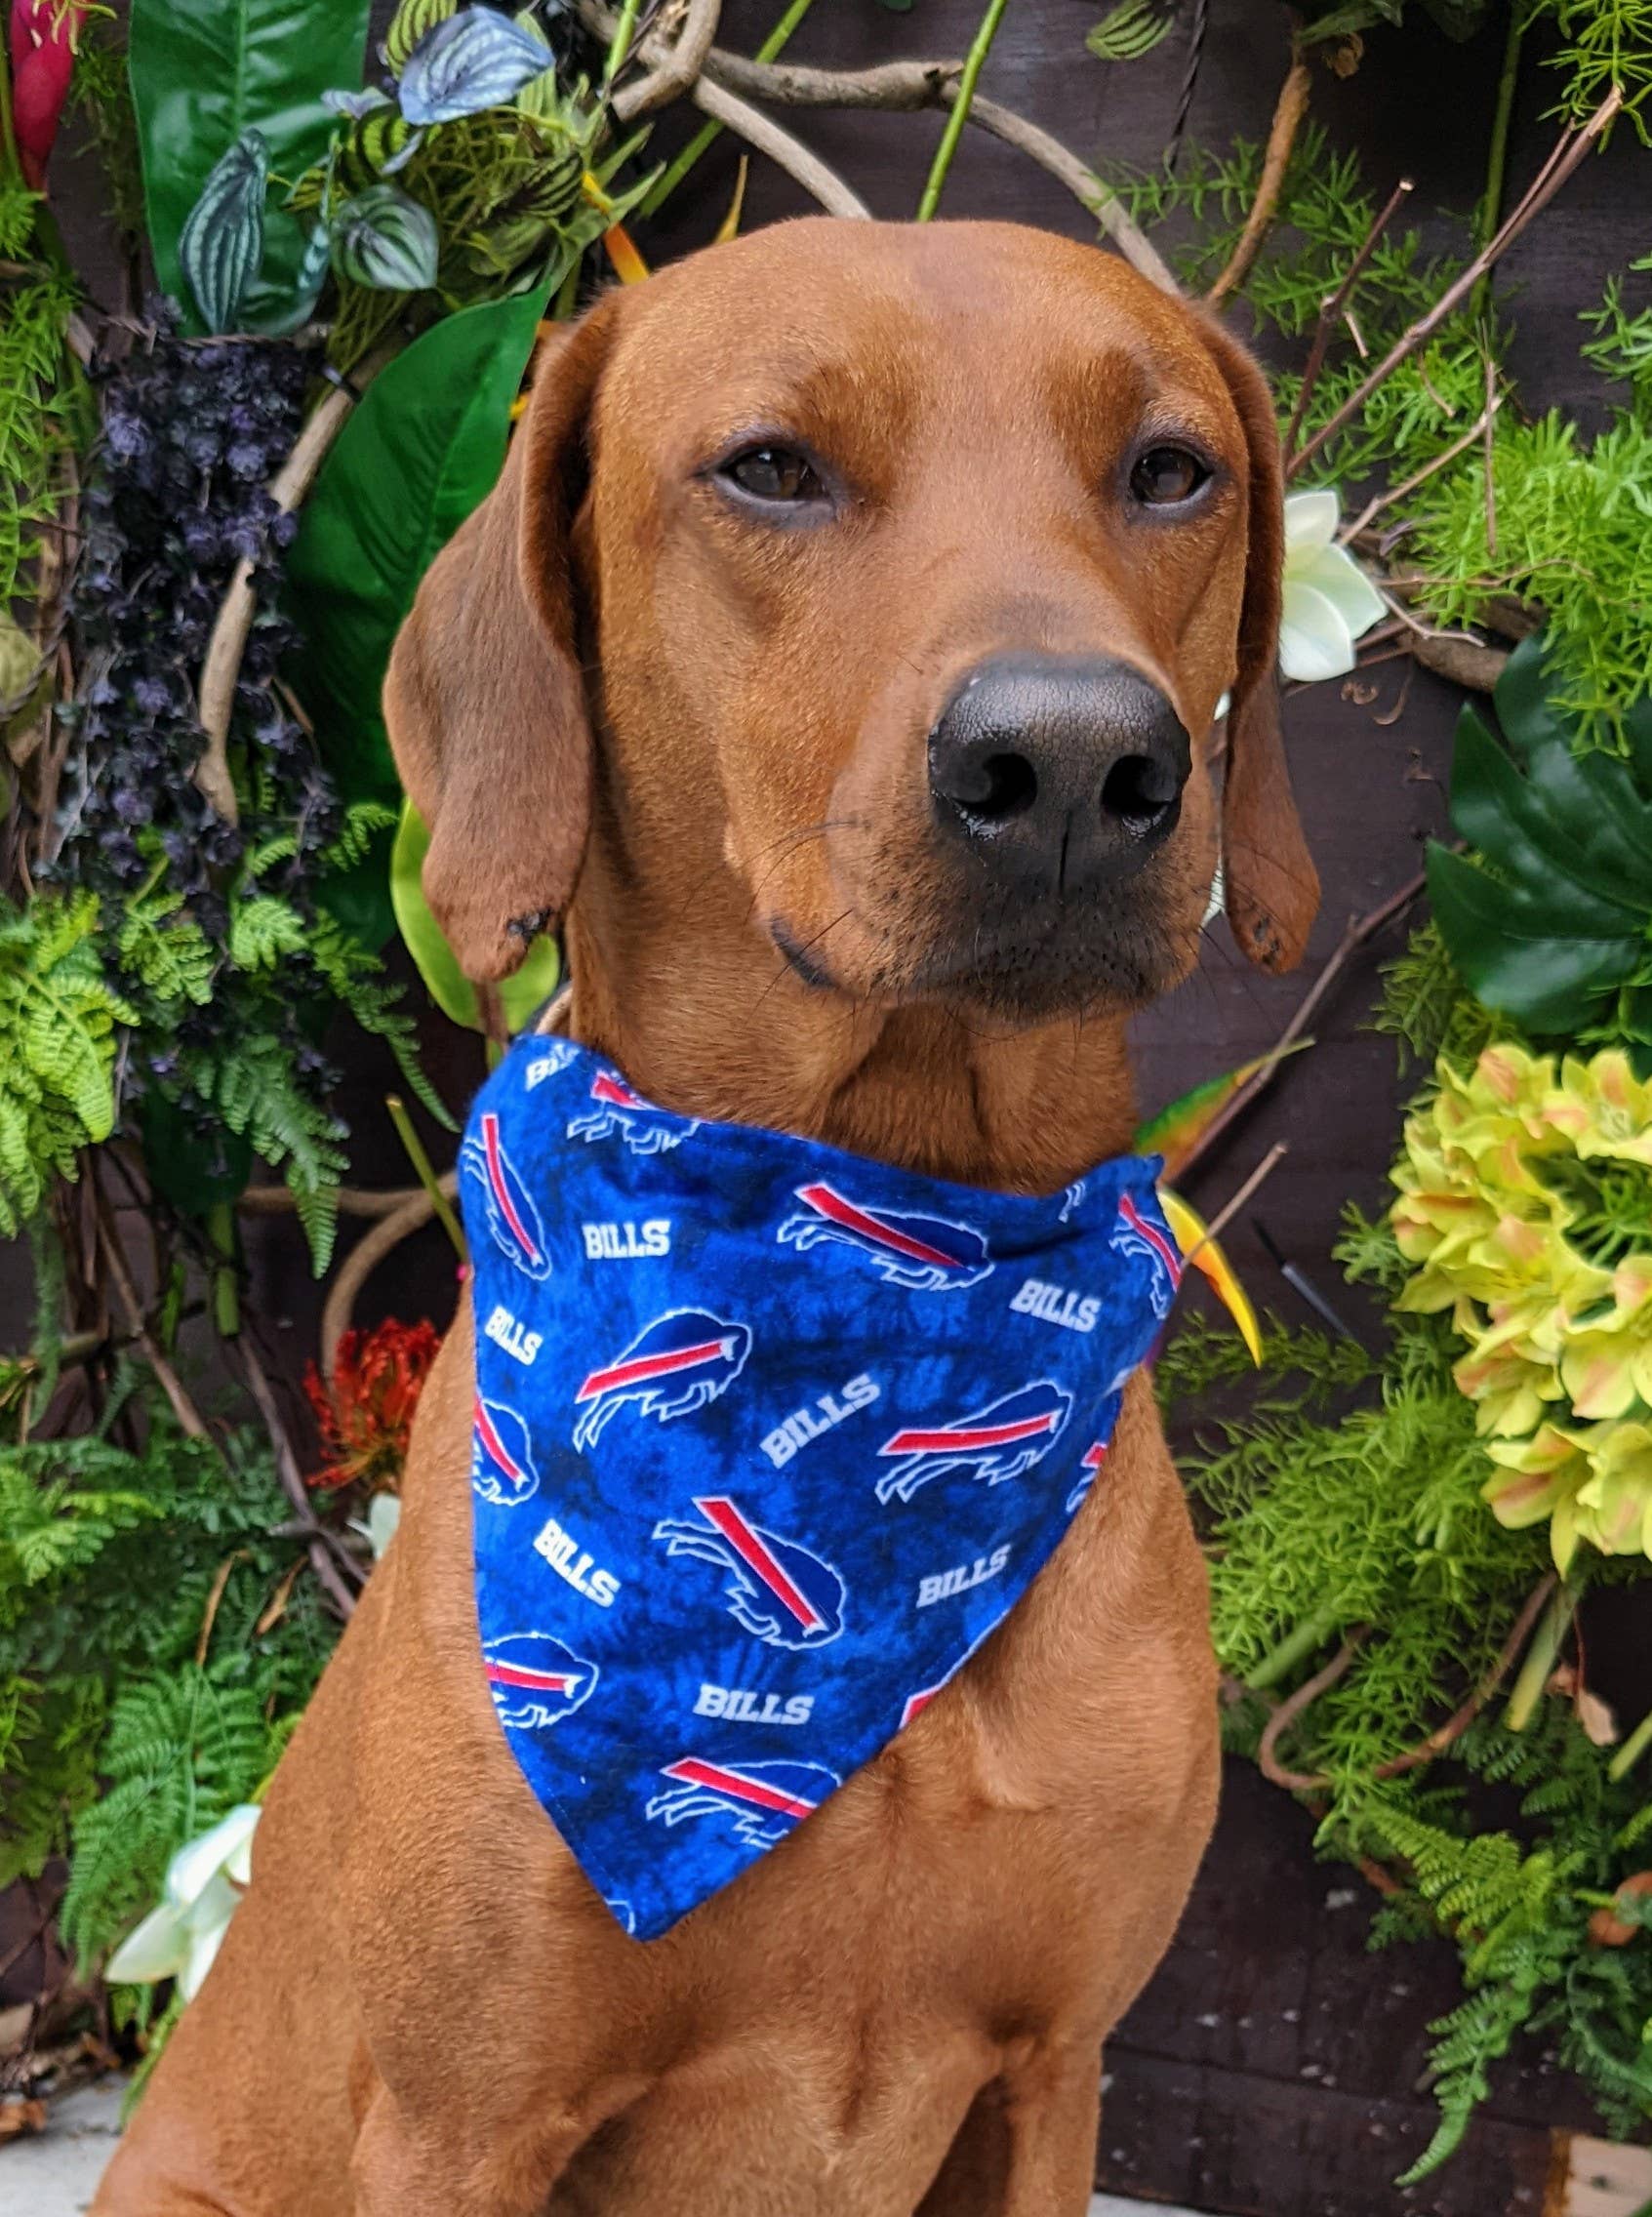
<point x="436" y="2168"/>
<point x="1028" y="2147"/>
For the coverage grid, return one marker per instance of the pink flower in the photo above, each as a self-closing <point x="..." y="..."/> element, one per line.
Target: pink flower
<point x="42" y="50"/>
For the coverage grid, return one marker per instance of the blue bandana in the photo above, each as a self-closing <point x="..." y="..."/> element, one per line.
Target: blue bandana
<point x="767" y="1438"/>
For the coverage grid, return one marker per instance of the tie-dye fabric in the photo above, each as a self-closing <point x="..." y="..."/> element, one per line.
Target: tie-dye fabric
<point x="767" y="1438"/>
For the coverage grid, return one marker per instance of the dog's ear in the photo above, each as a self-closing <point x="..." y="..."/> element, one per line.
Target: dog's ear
<point x="1271" y="888"/>
<point x="484" y="698"/>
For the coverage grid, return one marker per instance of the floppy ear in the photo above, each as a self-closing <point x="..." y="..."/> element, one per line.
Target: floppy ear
<point x="1271" y="889"/>
<point x="484" y="698"/>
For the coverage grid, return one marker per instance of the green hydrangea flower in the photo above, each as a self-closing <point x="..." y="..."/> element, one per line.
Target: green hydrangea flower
<point x="1525" y="1200"/>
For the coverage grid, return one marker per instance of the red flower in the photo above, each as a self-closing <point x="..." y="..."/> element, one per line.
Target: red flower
<point x="365" y="1420"/>
<point x="42" y="40"/>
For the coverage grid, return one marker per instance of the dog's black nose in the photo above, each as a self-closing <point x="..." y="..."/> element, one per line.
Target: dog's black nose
<point x="1065" y="769"/>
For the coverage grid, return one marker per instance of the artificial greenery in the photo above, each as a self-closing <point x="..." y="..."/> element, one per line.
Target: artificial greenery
<point x="187" y="911"/>
<point x="153" y="1634"/>
<point x="1548" y="917"/>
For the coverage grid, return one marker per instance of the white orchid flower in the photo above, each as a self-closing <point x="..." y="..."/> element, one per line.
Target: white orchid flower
<point x="1329" y="601"/>
<point x="378" y="1526"/>
<point x="204" y="1883"/>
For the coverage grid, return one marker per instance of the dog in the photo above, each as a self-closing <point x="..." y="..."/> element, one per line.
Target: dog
<point x="827" y="662"/>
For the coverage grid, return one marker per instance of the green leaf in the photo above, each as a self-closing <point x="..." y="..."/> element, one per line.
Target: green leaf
<point x="412" y="21"/>
<point x="473" y="59"/>
<point x="384" y="240"/>
<point x="1131" y="29"/>
<point x="1550" y="913"/>
<point x="221" y="245"/>
<point x="519" y="996"/>
<point x="203" y="71"/>
<point x="1515" y="822"/>
<point x="1504" y="943"/>
<point x="1525" y="714"/>
<point x="424" y="448"/>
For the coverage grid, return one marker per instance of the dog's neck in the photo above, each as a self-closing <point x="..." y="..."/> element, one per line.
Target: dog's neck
<point x="706" y="1017"/>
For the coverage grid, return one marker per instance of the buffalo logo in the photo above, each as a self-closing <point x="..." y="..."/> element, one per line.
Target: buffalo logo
<point x="1072" y="1198"/>
<point x="674" y="1365"/>
<point x="1134" y="1235"/>
<point x="534" y="1679"/>
<point x="1093" y="1458"/>
<point x="762" y="1802"/>
<point x="644" y="1128"/>
<point x="926" y="1253"/>
<point x="622" y="1913"/>
<point x="512" y="1217"/>
<point x="997" y="1443"/>
<point x="777" y="1591"/>
<point x="502" y="1466"/>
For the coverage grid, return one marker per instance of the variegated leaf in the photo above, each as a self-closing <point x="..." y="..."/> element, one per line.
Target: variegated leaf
<point x="475" y="59"/>
<point x="221" y="243"/>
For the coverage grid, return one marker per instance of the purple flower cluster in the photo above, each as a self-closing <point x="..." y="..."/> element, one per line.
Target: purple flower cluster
<point x="192" y="433"/>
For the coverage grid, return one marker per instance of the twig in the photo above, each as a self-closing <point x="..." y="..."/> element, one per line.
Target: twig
<point x="1442" y="1737"/>
<point x="349" y="1200"/>
<point x="663" y="186"/>
<point x="787" y="152"/>
<point x="321" y="1543"/>
<point x="1292" y="1706"/>
<point x="228" y="642"/>
<point x="364" y="1258"/>
<point x="904" y="87"/>
<point x="1363" y="928"/>
<point x="682" y="60"/>
<point x="1288" y="112"/>
<point x="1568" y="152"/>
<point x="1252" y="1186"/>
<point x="1332" y="304"/>
<point x="182" y="1407"/>
<point x="1103" y="203"/>
<point x="963" y="99"/>
<point x="1375" y="507"/>
<point x="1189" y="82"/>
<point x="1493" y="401"/>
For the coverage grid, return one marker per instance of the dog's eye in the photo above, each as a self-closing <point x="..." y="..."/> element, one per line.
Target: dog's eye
<point x="1165" y="475"/>
<point x="774" y="473"/>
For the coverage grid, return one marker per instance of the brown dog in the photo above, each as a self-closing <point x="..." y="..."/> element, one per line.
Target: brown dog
<point x="834" y="641"/>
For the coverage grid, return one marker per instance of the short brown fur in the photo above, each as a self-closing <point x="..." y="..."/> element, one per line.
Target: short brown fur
<point x="614" y="693"/>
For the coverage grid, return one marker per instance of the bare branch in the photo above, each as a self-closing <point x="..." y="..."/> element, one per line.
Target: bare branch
<point x="1291" y="107"/>
<point x="1103" y="203"/>
<point x="364" y="1258"/>
<point x="782" y="149"/>
<point x="1568" y="152"/>
<point x="680" y="64"/>
<point x="228" y="641"/>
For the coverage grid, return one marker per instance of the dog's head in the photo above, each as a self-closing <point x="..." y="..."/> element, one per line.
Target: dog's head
<point x="893" y="573"/>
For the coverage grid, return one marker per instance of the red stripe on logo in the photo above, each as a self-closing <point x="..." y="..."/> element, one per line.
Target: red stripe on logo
<point x="985" y="1436"/>
<point x="827" y="1203"/>
<point x="747" y="1543"/>
<point x="648" y="1366"/>
<point x="496" y="1179"/>
<point x="1094" y="1456"/>
<point x="534" y="1681"/>
<point x="1155" y="1238"/>
<point x="496" y="1446"/>
<point x="721" y="1780"/>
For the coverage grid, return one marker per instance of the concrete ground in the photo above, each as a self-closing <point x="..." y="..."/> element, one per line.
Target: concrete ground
<point x="54" y="2173"/>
